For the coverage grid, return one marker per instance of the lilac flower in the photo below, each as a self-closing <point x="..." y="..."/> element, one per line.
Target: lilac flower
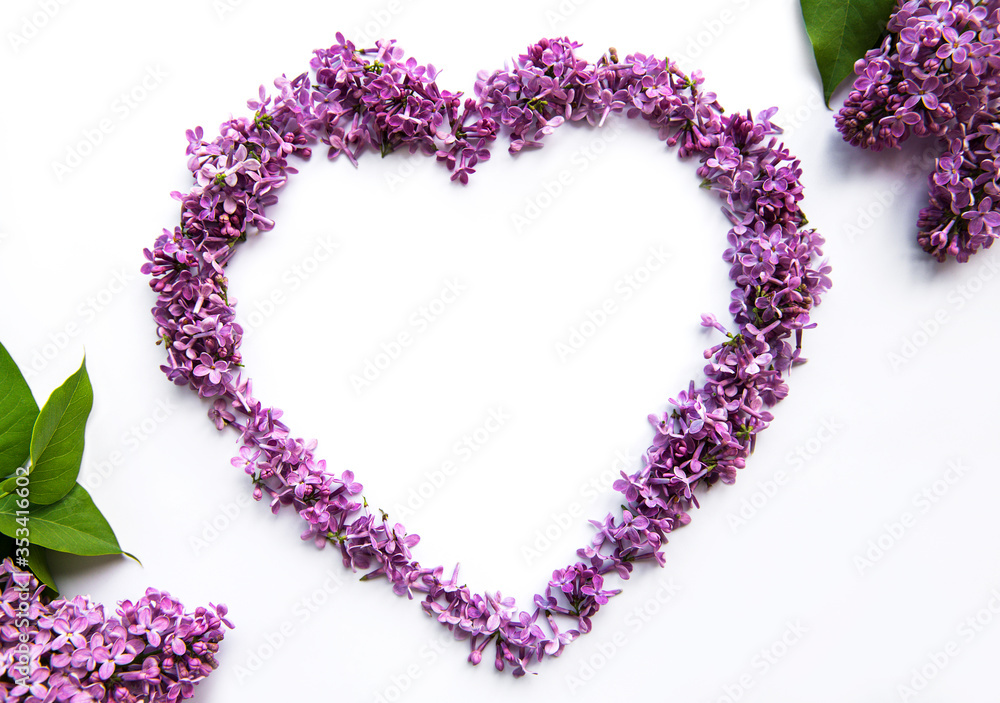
<point x="212" y="368"/>
<point x="220" y="414"/>
<point x="922" y="95"/>
<point x="948" y="171"/>
<point x="151" y="650"/>
<point x="937" y="72"/>
<point x="709" y="320"/>
<point x="356" y="101"/>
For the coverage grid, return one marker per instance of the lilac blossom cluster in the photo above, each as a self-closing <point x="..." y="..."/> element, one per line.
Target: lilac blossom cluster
<point x="69" y="650"/>
<point x="937" y="73"/>
<point x="391" y="104"/>
<point x="375" y="99"/>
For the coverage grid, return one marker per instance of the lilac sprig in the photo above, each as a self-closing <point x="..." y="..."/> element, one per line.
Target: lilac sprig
<point x="371" y="98"/>
<point x="374" y="99"/>
<point x="150" y="650"/>
<point x="937" y="73"/>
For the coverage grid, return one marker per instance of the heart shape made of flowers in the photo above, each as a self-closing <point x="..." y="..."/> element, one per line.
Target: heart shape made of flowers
<point x="356" y="100"/>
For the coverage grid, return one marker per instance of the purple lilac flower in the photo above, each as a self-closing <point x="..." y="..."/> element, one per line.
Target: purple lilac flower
<point x="937" y="73"/>
<point x="150" y="650"/>
<point x="373" y="99"/>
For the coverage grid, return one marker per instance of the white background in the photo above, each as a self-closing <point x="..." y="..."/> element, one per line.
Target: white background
<point x="862" y="436"/>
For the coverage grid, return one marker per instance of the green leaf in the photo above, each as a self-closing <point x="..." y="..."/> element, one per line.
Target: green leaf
<point x="73" y="525"/>
<point x="18" y="411"/>
<point x="57" y="438"/>
<point x="39" y="565"/>
<point x="841" y="31"/>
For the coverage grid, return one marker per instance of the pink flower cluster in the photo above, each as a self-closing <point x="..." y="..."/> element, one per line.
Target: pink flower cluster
<point x="69" y="650"/>
<point x="373" y="98"/>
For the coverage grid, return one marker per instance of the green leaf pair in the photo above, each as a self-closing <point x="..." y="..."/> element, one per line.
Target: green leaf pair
<point x="55" y="436"/>
<point x="41" y="504"/>
<point x="841" y="32"/>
